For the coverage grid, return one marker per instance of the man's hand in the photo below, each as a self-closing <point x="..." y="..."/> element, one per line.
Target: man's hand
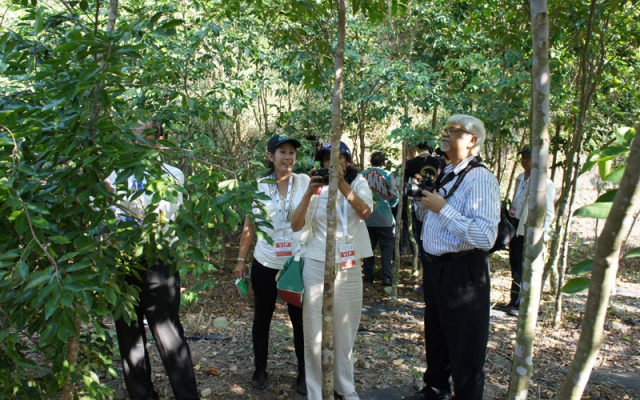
<point x="433" y="201"/>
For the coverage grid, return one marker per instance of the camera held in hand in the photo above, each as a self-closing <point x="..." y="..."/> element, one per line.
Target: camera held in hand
<point x="324" y="173"/>
<point x="429" y="173"/>
<point x="413" y="190"/>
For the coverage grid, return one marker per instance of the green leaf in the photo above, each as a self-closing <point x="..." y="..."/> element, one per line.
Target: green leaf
<point x="59" y="239"/>
<point x="607" y="197"/>
<point x="39" y="280"/>
<point x="22" y="269"/>
<point x="38" y="25"/>
<point x="633" y="253"/>
<point x="171" y="24"/>
<point x="583" y="267"/>
<point x="604" y="167"/>
<point x="605" y="154"/>
<point x="110" y="295"/>
<point x="51" y="305"/>
<point x="24" y="168"/>
<point x="576" y="285"/>
<point x="595" y="210"/>
<point x="40" y="222"/>
<point x="624" y="135"/>
<point x="66" y="47"/>
<point x="615" y="177"/>
<point x="84" y="6"/>
<point x="78" y="266"/>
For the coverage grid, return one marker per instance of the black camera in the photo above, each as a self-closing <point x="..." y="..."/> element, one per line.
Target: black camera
<point x="324" y="173"/>
<point x="413" y="190"/>
<point x="429" y="173"/>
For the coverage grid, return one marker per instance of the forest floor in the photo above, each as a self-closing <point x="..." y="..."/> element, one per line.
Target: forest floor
<point x="389" y="348"/>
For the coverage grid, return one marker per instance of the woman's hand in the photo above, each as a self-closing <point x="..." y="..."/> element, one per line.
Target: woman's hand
<point x="241" y="270"/>
<point x="315" y="185"/>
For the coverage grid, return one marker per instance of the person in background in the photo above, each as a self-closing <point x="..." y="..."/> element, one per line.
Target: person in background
<point x="460" y="226"/>
<point x="159" y="296"/>
<point x="415" y="169"/>
<point x="381" y="223"/>
<point x="285" y="192"/>
<point x="518" y="213"/>
<point x="354" y="205"/>
<point x="405" y="244"/>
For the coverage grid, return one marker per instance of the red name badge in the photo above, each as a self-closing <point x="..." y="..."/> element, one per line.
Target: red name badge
<point x="284" y="248"/>
<point x="347" y="256"/>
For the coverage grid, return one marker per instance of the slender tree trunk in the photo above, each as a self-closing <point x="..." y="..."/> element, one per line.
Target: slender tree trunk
<point x="514" y="169"/>
<point x="362" y="117"/>
<point x="534" y="240"/>
<point x="605" y="267"/>
<point x="113" y="15"/>
<point x="399" y="227"/>
<point x="558" y="130"/>
<point x="330" y="267"/>
<point x="69" y="389"/>
<point x="560" y="271"/>
<point x="588" y="76"/>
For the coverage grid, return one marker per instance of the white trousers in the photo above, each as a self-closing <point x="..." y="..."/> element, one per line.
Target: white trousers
<point x="347" y="309"/>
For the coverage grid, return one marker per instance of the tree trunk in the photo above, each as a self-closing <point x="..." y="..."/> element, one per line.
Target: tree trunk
<point x="399" y="228"/>
<point x="330" y="267"/>
<point x="588" y="77"/>
<point x="534" y="239"/>
<point x="605" y="267"/>
<point x="69" y="389"/>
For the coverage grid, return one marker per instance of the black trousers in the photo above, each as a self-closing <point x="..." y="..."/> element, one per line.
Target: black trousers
<point x="263" y="281"/>
<point x="516" y="251"/>
<point x="385" y="236"/>
<point x="160" y="304"/>
<point x="456" y="324"/>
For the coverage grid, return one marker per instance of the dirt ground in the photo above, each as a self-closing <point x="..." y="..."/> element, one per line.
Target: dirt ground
<point x="389" y="348"/>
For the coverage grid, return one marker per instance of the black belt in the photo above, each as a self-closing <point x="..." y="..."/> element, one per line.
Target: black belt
<point x="448" y="256"/>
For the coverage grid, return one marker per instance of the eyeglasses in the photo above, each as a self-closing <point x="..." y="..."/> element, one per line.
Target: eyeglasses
<point x="452" y="130"/>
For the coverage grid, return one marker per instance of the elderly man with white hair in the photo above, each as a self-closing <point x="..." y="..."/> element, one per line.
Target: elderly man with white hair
<point x="459" y="229"/>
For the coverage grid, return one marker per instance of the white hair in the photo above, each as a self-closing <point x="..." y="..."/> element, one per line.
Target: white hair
<point x="472" y="125"/>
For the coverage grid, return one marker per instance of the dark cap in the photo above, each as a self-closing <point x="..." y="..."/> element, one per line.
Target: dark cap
<point x="277" y="140"/>
<point x="526" y="151"/>
<point x="344" y="149"/>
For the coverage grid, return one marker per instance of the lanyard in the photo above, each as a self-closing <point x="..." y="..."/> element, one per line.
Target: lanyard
<point x="343" y="218"/>
<point x="283" y="216"/>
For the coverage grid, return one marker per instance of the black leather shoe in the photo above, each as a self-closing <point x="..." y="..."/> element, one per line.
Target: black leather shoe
<point x="387" y="282"/>
<point x="417" y="396"/>
<point x="259" y="380"/>
<point x="301" y="384"/>
<point x="428" y="393"/>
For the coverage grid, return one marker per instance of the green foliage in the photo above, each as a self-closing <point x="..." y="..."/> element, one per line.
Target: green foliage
<point x="633" y="253"/>
<point x="583" y="267"/>
<point x="576" y="285"/>
<point x="601" y="208"/>
<point x="65" y="126"/>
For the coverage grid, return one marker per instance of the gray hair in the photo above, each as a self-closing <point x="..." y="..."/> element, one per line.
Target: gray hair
<point x="472" y="125"/>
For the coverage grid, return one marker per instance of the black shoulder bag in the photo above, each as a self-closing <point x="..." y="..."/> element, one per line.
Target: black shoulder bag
<point x="506" y="231"/>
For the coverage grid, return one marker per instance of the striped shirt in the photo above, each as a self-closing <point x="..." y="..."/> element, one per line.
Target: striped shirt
<point x="470" y="218"/>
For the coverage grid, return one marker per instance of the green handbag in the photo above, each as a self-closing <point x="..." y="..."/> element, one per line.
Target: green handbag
<point x="289" y="280"/>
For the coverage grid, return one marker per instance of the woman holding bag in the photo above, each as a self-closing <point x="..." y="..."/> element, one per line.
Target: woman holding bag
<point x="354" y="205"/>
<point x="284" y="197"/>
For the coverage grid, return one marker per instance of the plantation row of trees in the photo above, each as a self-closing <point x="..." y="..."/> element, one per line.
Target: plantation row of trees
<point x="223" y="75"/>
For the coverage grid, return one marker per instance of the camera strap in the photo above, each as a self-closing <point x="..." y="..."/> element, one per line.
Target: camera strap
<point x="476" y="161"/>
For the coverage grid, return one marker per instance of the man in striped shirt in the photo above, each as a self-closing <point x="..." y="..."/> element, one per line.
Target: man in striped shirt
<point x="459" y="228"/>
